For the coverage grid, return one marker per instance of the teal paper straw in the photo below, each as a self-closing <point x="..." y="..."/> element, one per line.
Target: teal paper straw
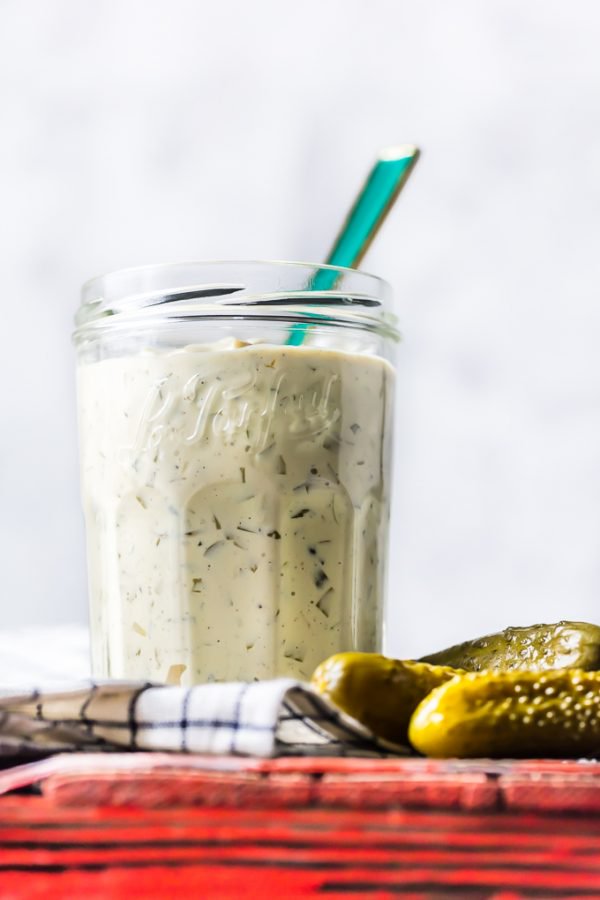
<point x="385" y="181"/>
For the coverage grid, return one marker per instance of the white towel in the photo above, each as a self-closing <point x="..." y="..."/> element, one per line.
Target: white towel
<point x="264" y="718"/>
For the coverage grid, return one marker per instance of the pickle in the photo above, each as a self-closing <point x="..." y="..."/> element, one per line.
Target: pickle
<point x="511" y="714"/>
<point x="563" y="645"/>
<point x="380" y="693"/>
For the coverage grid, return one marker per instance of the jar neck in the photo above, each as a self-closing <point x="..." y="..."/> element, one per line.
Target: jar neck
<point x="301" y="294"/>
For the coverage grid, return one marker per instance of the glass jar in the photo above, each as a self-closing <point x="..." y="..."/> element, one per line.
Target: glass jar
<point x="235" y="429"/>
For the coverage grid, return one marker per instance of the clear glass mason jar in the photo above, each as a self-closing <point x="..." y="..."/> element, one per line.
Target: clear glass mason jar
<point x="235" y="430"/>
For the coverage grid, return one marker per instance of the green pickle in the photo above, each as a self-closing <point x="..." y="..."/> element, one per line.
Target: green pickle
<point x="563" y="645"/>
<point x="380" y="693"/>
<point x="511" y="714"/>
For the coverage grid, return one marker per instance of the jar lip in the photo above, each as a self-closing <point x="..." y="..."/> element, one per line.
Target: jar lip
<point x="91" y="284"/>
<point x="222" y="288"/>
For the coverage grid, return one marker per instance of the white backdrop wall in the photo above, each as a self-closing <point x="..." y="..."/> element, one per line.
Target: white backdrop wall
<point x="138" y="131"/>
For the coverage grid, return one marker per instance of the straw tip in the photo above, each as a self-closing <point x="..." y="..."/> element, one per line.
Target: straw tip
<point x="399" y="151"/>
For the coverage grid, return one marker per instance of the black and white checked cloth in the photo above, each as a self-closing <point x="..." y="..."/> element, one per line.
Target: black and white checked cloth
<point x="265" y="718"/>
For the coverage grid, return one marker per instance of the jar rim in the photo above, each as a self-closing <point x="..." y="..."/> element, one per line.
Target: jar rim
<point x="229" y="288"/>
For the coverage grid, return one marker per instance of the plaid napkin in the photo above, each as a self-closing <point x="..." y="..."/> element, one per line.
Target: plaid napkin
<point x="264" y="718"/>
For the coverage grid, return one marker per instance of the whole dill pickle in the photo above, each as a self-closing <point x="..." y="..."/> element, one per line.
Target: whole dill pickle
<point x="563" y="645"/>
<point x="511" y="714"/>
<point x="380" y="693"/>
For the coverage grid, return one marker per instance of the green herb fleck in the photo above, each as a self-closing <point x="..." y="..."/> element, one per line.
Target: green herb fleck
<point x="320" y="578"/>
<point x="301" y="513"/>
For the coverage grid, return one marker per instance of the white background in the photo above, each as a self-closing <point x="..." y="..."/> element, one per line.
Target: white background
<point x="139" y="131"/>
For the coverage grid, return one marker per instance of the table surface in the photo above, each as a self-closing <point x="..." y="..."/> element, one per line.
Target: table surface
<point x="99" y="852"/>
<point x="407" y="828"/>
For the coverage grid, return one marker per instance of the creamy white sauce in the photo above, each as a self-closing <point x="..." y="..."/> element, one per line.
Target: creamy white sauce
<point x="236" y="503"/>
